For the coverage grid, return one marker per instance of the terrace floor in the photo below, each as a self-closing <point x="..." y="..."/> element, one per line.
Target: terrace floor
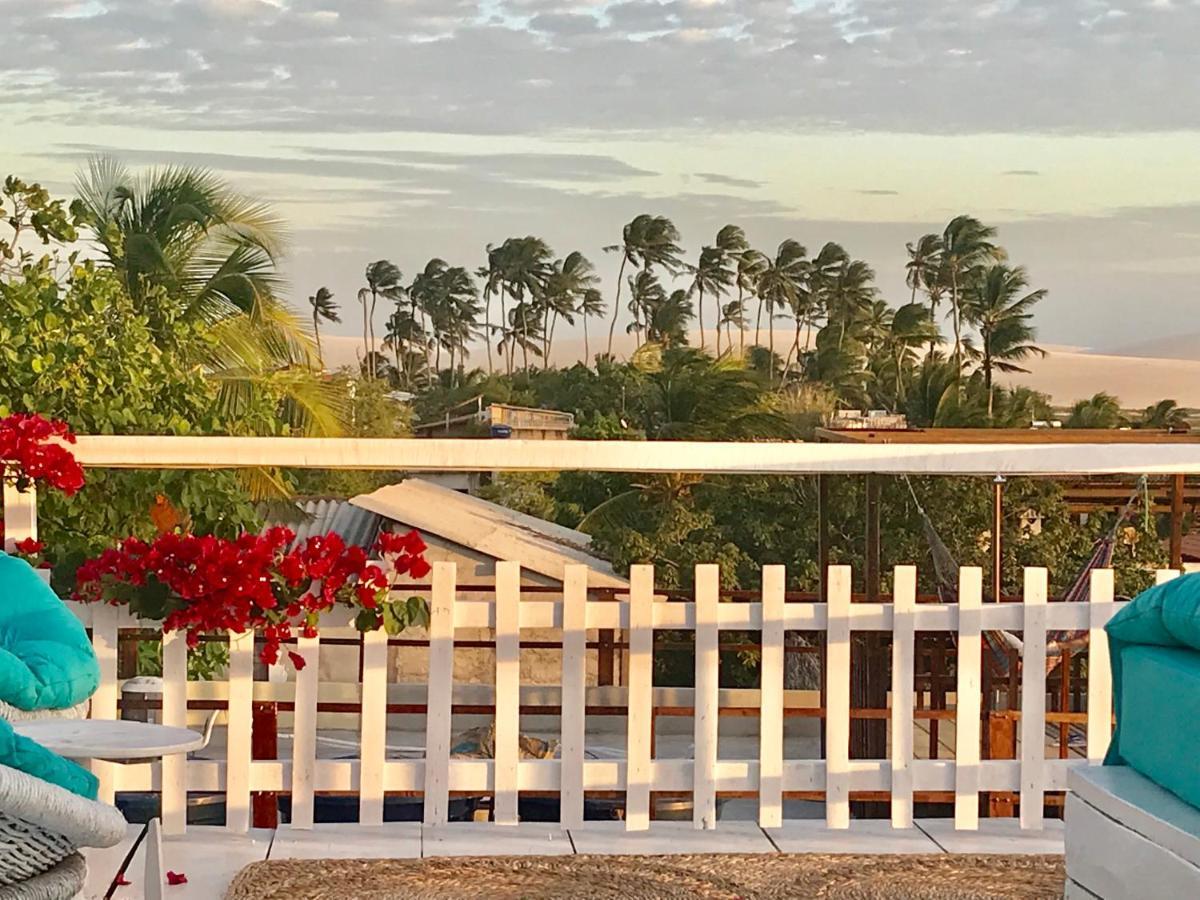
<point x="211" y="856"/>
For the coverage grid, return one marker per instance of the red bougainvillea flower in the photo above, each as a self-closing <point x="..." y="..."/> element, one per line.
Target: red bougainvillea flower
<point x="30" y="547"/>
<point x="174" y="878"/>
<point x="32" y="451"/>
<point x="254" y="582"/>
<point x="297" y="660"/>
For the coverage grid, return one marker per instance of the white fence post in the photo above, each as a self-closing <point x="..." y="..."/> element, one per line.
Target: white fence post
<point x="239" y="719"/>
<point x="573" y="712"/>
<point x="837" y="699"/>
<point x="372" y="727"/>
<point x="706" y="713"/>
<point x="304" y="738"/>
<point x="1033" y="701"/>
<point x="968" y="694"/>
<point x="439" y="694"/>
<point x="904" y="599"/>
<point x="104" y="701"/>
<point x="174" y="713"/>
<point x="639" y="714"/>
<point x="20" y="513"/>
<point x="770" y="723"/>
<point x="1099" y="680"/>
<point x="507" y="756"/>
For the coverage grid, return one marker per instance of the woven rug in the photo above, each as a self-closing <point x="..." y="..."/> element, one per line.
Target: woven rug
<point x="712" y="877"/>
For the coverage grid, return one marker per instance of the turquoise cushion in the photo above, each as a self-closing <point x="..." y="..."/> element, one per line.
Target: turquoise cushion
<point x="21" y="753"/>
<point x="1158" y="616"/>
<point x="46" y="660"/>
<point x="1158" y="723"/>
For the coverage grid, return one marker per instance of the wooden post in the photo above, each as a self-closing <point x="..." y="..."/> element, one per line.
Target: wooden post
<point x="870" y="661"/>
<point x="1177" y="486"/>
<point x="264" y="744"/>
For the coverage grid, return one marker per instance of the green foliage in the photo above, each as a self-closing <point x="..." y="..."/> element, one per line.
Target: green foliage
<point x="28" y="209"/>
<point x="207" y="662"/>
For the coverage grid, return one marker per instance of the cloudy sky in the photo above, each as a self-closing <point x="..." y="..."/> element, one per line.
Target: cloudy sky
<point x="412" y="128"/>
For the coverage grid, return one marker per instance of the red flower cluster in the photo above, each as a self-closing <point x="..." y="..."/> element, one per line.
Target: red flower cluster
<point x="206" y="584"/>
<point x="33" y="446"/>
<point x="31" y="551"/>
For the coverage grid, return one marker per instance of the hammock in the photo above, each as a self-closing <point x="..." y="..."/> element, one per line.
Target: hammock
<point x="1001" y="642"/>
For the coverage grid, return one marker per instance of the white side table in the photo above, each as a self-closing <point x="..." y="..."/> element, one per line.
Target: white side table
<point x="119" y="741"/>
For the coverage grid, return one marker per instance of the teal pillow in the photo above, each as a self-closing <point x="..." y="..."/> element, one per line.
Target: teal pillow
<point x="1157" y="615"/>
<point x="46" y="659"/>
<point x="27" y="756"/>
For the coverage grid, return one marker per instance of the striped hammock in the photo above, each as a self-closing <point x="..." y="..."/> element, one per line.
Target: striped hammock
<point x="1000" y="643"/>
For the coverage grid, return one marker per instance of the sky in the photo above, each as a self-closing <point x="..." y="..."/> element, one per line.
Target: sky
<point x="407" y="129"/>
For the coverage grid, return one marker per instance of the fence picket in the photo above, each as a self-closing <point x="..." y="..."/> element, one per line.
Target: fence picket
<point x="1099" y="681"/>
<point x="174" y="713"/>
<point x="104" y="701"/>
<point x="20" y="513"/>
<point x="639" y="715"/>
<point x="574" y="695"/>
<point x="967" y="699"/>
<point x="706" y="714"/>
<point x="372" y="727"/>
<point x="1033" y="701"/>
<point x="904" y="591"/>
<point x="770" y="724"/>
<point x="439" y="692"/>
<point x="837" y="700"/>
<point x="238" y="720"/>
<point x="508" y="692"/>
<point x="304" y="737"/>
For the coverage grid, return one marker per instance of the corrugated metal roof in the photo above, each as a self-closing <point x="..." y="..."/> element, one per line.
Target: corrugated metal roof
<point x="488" y="528"/>
<point x="356" y="526"/>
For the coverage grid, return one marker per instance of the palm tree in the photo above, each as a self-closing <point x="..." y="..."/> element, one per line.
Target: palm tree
<point x="1102" y="410"/>
<point x="492" y="276"/>
<point x="1165" y="414"/>
<point x="448" y="296"/>
<point x="733" y="314"/>
<point x="524" y="266"/>
<point x="923" y="268"/>
<point x="646" y="241"/>
<point x="966" y="244"/>
<point x="323" y="307"/>
<point x="188" y="248"/>
<point x="911" y="327"/>
<point x="568" y="282"/>
<point x="731" y="242"/>
<point x="646" y="294"/>
<point x="667" y="319"/>
<point x="591" y="305"/>
<point x="711" y="274"/>
<point x="781" y="281"/>
<point x="383" y="279"/>
<point x="750" y="265"/>
<point x="995" y="302"/>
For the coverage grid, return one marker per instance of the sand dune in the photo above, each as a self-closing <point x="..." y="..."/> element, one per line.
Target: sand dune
<point x="1066" y="373"/>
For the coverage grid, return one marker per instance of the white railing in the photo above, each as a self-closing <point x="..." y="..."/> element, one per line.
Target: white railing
<point x="770" y="775"/>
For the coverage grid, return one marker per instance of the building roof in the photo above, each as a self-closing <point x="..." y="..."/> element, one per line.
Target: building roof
<point x="488" y="528"/>
<point x="1005" y="436"/>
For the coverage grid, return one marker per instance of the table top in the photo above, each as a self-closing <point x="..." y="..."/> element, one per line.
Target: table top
<point x="110" y="740"/>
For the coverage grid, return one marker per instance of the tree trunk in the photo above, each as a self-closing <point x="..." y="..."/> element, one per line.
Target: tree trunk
<point x="487" y="324"/>
<point x="955" y="317"/>
<point x="758" y="323"/>
<point x="700" y="313"/>
<point x="612" y="327"/>
<point x="587" y="356"/>
<point x="317" y="335"/>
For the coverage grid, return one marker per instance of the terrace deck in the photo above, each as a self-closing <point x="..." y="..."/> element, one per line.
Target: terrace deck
<point x="211" y="856"/>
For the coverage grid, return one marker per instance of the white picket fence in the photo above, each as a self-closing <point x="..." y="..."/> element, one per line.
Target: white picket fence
<point x="769" y="775"/>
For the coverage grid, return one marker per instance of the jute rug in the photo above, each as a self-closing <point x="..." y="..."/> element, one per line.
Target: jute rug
<point x="712" y="877"/>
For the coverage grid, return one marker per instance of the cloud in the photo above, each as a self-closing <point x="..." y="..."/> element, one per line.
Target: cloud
<point x="1023" y="173"/>
<point x="879" y="192"/>
<point x="728" y="180"/>
<point x="530" y="66"/>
